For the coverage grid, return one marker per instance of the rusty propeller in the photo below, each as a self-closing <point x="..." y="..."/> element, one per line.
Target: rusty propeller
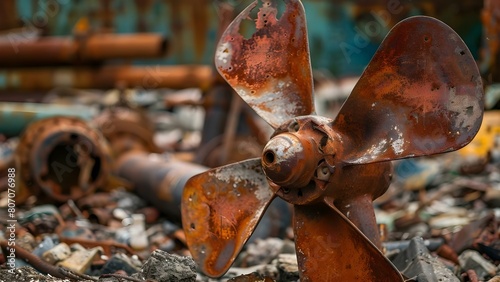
<point x="420" y="95"/>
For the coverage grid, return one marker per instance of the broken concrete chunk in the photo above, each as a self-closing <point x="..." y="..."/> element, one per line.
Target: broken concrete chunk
<point x="165" y="267"/>
<point x="470" y="259"/>
<point x="417" y="263"/>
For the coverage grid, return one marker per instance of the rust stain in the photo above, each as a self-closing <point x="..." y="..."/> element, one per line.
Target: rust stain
<point x="423" y="90"/>
<point x="271" y="70"/>
<point x="220" y="209"/>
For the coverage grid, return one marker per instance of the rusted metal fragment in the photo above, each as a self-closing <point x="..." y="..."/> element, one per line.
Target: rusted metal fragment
<point x="271" y="70"/>
<point x="220" y="210"/>
<point x="324" y="235"/>
<point x="421" y="94"/>
<point x="464" y="239"/>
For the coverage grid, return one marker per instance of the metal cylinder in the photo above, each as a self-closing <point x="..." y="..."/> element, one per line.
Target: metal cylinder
<point x="112" y="46"/>
<point x="158" y="179"/>
<point x="63" y="157"/>
<point x="47" y="51"/>
<point x="176" y="77"/>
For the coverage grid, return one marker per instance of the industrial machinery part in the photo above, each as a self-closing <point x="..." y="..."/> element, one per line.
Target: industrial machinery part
<point x="63" y="157"/>
<point x="421" y="94"/>
<point x="48" y="51"/>
<point x="106" y="77"/>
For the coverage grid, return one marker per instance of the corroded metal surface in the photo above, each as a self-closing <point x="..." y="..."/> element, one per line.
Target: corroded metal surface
<point x="421" y="94"/>
<point x="324" y="237"/>
<point x="63" y="157"/>
<point x="220" y="210"/>
<point x="271" y="70"/>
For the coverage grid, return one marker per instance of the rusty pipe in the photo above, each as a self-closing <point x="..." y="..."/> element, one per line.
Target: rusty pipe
<point x="111" y="46"/>
<point x="46" y="51"/>
<point x="177" y="77"/>
<point x="157" y="179"/>
<point x="62" y="157"/>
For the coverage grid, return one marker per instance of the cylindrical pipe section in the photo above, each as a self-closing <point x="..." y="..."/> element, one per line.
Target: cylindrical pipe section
<point x="46" y="51"/>
<point x="63" y="157"/>
<point x="175" y="77"/>
<point x="112" y="46"/>
<point x="158" y="179"/>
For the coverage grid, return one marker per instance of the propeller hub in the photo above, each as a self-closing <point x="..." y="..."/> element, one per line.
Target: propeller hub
<point x="287" y="160"/>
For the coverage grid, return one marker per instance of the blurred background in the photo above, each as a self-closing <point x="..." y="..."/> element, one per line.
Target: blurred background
<point x="190" y="27"/>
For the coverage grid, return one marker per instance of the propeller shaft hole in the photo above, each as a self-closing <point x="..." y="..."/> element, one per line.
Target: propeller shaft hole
<point x="269" y="157"/>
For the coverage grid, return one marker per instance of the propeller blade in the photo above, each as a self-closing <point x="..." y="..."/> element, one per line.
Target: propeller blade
<point x="271" y="70"/>
<point x="324" y="235"/>
<point x="421" y="94"/>
<point x="220" y="209"/>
